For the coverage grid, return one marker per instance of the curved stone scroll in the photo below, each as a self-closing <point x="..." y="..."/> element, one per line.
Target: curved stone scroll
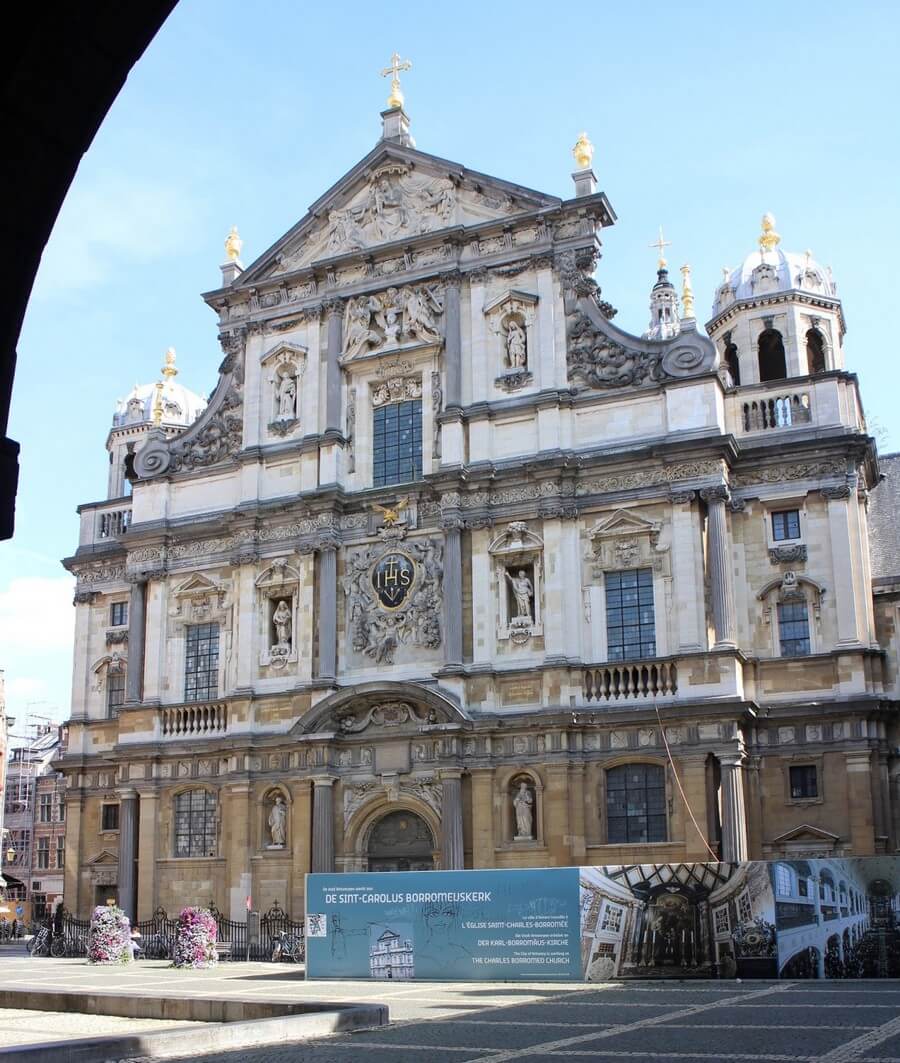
<point x="216" y="435"/>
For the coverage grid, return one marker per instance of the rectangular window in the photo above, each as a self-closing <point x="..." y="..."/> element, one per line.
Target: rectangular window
<point x="45" y="808"/>
<point x="397" y="443"/>
<point x="109" y="817"/>
<point x="803" y="887"/>
<point x="115" y="692"/>
<point x="630" y="622"/>
<point x="783" y="881"/>
<point x="804" y="780"/>
<point x="793" y="628"/>
<point x="118" y="614"/>
<point x="636" y="804"/>
<point x="43" y="852"/>
<point x="745" y="907"/>
<point x="612" y="919"/>
<point x="786" y="524"/>
<point x="720" y="917"/>
<point x="201" y="662"/>
<point x="61" y="852"/>
<point x="195" y="824"/>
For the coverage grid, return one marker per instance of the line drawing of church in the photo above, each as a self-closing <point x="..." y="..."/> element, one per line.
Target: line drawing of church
<point x="391" y="957"/>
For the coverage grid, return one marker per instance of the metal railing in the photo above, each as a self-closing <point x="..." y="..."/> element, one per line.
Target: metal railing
<point x="623" y="680"/>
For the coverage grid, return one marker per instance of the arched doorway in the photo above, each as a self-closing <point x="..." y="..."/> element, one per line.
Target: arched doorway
<point x="400" y="841"/>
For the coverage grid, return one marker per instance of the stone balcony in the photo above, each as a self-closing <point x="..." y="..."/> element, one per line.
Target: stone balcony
<point x="824" y="401"/>
<point x="199" y="720"/>
<point x="103" y="522"/>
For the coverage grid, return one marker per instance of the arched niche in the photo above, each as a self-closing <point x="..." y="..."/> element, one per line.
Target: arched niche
<point x="277" y="795"/>
<point x="377" y="836"/>
<point x="508" y="786"/>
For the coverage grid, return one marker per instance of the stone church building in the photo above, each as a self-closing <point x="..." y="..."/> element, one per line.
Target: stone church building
<point x="450" y="571"/>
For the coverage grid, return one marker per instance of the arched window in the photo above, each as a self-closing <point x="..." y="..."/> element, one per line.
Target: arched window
<point x="784" y="880"/>
<point x="772" y="361"/>
<point x="195" y="823"/>
<point x="815" y="351"/>
<point x="636" y="804"/>
<point x="733" y="363"/>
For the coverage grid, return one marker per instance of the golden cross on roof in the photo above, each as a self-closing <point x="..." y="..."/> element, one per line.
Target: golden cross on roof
<point x="661" y="245"/>
<point x="393" y="71"/>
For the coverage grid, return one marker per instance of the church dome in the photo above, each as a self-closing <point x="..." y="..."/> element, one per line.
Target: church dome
<point x="165" y="402"/>
<point x="769" y="270"/>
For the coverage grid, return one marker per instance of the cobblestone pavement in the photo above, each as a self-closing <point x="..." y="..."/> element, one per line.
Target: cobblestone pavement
<point x="760" y="1022"/>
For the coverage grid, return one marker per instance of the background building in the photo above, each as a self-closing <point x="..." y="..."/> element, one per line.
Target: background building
<point x="451" y="571"/>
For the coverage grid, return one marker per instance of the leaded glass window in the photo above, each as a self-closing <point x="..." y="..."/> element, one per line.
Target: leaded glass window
<point x="397" y="443"/>
<point x="630" y="620"/>
<point x="793" y="628"/>
<point x="201" y="662"/>
<point x="115" y="691"/>
<point x="636" y="804"/>
<point x="195" y="823"/>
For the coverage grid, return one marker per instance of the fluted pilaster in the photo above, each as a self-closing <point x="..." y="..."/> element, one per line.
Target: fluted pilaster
<point x="451" y="821"/>
<point x="323" y="826"/>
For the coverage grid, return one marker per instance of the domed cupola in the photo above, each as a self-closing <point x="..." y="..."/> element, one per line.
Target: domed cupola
<point x="164" y="404"/>
<point x="777" y="315"/>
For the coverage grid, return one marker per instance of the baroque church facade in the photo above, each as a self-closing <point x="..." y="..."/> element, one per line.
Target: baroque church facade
<point x="451" y="571"/>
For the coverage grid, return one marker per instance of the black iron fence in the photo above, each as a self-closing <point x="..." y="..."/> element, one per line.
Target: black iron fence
<point x="157" y="940"/>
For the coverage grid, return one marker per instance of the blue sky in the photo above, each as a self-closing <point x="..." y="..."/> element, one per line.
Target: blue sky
<point x="704" y="116"/>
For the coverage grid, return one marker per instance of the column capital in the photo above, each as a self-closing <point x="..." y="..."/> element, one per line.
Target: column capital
<point x="332" y="306"/>
<point x="127" y="793"/>
<point x="446" y="774"/>
<point x="682" y="498"/>
<point x="718" y="493"/>
<point x="837" y="493"/>
<point x="323" y="780"/>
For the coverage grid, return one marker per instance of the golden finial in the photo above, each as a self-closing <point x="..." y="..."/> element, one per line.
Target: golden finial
<point x="661" y="245"/>
<point x="687" y="292"/>
<point x="157" y="404"/>
<point x="169" y="370"/>
<point x="233" y="245"/>
<point x="393" y="71"/>
<point x="768" y="238"/>
<point x="583" y="152"/>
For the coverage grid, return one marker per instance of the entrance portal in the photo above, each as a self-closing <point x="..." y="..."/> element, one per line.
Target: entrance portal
<point x="401" y="841"/>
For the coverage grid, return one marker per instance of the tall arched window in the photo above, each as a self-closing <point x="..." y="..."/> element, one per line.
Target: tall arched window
<point x="772" y="360"/>
<point x="731" y="360"/>
<point x="195" y="823"/>
<point x="815" y="351"/>
<point x="636" y="804"/>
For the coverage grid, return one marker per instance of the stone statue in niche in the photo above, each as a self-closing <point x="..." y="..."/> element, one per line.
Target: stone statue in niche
<point x="523" y="805"/>
<point x="278" y="823"/>
<point x="523" y="592"/>
<point x="287" y="396"/>
<point x="516" y="345"/>
<point x="282" y="620"/>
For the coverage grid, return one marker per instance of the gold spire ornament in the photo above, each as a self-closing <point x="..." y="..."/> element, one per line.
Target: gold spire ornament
<point x="768" y="238"/>
<point x="687" y="292"/>
<point x="660" y="246"/>
<point x="583" y="152"/>
<point x="233" y="245"/>
<point x="157" y="404"/>
<point x="169" y="370"/>
<point x="393" y="72"/>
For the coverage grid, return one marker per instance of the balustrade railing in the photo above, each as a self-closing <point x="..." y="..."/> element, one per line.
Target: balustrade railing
<point x="621" y="681"/>
<point x="112" y="523"/>
<point x="776" y="411"/>
<point x="195" y="721"/>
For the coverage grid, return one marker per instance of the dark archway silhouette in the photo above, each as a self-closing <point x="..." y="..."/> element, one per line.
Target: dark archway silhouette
<point x="772" y="360"/>
<point x="815" y="351"/>
<point x="56" y="85"/>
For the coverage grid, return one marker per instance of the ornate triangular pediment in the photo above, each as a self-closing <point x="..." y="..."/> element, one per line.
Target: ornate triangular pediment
<point x="806" y="832"/>
<point x="197" y="584"/>
<point x="624" y="522"/>
<point x="105" y="858"/>
<point x="394" y="194"/>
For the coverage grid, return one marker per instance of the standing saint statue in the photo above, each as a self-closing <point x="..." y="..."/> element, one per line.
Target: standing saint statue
<point x="281" y="618"/>
<point x="515" y="345"/>
<point x="278" y="821"/>
<point x="523" y="803"/>
<point x="523" y="592"/>
<point x="287" y="394"/>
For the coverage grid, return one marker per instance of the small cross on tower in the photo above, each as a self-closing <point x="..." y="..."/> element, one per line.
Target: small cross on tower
<point x="393" y="71"/>
<point x="660" y="246"/>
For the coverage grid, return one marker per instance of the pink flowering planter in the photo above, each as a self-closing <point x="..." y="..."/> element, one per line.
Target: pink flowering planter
<point x="195" y="939"/>
<point x="109" y="938"/>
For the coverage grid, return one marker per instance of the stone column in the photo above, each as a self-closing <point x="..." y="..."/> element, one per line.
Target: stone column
<point x="327" y="610"/>
<point x="236" y="847"/>
<point x="452" y="341"/>
<point x="301" y="815"/>
<point x="137" y="630"/>
<point x="128" y="838"/>
<point x="453" y="611"/>
<point x="451" y="821"/>
<point x="147" y="854"/>
<point x="72" y="871"/>
<point x="323" y="826"/>
<point x="483" y="817"/>
<point x="720" y="578"/>
<point x="734" y="820"/>
<point x="333" y="311"/>
<point x="860" y="803"/>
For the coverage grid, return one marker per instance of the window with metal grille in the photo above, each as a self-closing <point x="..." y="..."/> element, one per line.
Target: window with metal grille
<point x="115" y="691"/>
<point x="804" y="780"/>
<point x="793" y="628"/>
<point x="636" y="804"/>
<point x="630" y="621"/>
<point x="201" y="662"/>
<point x="43" y="852"/>
<point x="786" y="524"/>
<point x="612" y="918"/>
<point x="195" y="823"/>
<point x="397" y="443"/>
<point x="118" y="614"/>
<point x="109" y="817"/>
<point x="45" y="808"/>
<point x="61" y="852"/>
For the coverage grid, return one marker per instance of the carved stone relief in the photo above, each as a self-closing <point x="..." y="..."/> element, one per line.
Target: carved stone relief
<point x="626" y="540"/>
<point x="393" y="318"/>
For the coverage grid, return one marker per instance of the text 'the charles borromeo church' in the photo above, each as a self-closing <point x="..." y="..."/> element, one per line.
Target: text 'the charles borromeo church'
<point x="450" y="571"/>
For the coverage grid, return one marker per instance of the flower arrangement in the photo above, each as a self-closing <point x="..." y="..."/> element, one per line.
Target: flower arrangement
<point x="109" y="938"/>
<point x="195" y="939"/>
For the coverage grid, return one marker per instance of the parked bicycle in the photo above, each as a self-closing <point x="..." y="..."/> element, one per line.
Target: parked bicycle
<point x="40" y="944"/>
<point x="288" y="947"/>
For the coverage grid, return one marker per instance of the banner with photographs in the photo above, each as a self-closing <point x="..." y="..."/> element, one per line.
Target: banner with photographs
<point x="815" y="918"/>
